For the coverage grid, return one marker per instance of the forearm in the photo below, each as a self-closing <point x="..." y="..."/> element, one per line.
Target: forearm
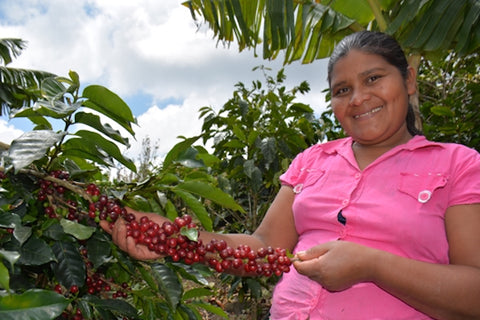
<point x="441" y="291"/>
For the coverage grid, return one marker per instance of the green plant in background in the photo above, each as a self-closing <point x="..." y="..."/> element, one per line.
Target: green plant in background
<point x="450" y="97"/>
<point x="255" y="135"/>
<point x="55" y="260"/>
<point x="18" y="87"/>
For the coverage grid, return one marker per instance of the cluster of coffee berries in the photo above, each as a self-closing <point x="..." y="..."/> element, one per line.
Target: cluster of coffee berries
<point x="77" y="315"/>
<point x="176" y="239"/>
<point x="264" y="262"/>
<point x="103" y="207"/>
<point x="95" y="284"/>
<point x="98" y="284"/>
<point x="57" y="204"/>
<point x="171" y="239"/>
<point x="50" y="193"/>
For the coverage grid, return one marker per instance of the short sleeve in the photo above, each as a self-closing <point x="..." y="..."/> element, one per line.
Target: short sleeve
<point x="302" y="168"/>
<point x="465" y="177"/>
<point x="290" y="177"/>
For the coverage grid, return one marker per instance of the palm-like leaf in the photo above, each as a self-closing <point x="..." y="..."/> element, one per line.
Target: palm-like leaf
<point x="307" y="29"/>
<point x="18" y="87"/>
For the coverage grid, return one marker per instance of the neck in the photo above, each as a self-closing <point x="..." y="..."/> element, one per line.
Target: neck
<point x="367" y="153"/>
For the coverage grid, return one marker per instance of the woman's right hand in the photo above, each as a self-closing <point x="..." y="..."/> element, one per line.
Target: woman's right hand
<point x="128" y="244"/>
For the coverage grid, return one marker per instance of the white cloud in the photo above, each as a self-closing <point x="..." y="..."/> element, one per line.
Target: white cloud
<point x="8" y="132"/>
<point x="143" y="47"/>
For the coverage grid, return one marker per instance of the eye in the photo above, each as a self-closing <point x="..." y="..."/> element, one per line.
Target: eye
<point x="373" y="78"/>
<point x="340" y="91"/>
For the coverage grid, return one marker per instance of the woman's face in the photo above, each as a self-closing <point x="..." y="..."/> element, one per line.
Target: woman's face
<point x="370" y="98"/>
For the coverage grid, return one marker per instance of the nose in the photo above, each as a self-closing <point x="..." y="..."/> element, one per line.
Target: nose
<point x="358" y="96"/>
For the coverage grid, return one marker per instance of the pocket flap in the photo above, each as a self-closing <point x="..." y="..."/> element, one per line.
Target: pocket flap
<point x="421" y="186"/>
<point x="306" y="178"/>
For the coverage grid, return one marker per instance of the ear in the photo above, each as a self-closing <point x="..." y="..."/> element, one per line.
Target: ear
<point x="411" y="81"/>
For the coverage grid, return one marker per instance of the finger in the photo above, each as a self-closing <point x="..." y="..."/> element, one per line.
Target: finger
<point x="105" y="225"/>
<point x="313" y="252"/>
<point x="309" y="268"/>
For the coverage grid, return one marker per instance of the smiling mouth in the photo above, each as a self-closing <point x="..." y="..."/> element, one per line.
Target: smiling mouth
<point x="375" y="110"/>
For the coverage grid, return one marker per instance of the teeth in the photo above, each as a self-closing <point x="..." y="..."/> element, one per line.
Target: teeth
<point x="367" y="113"/>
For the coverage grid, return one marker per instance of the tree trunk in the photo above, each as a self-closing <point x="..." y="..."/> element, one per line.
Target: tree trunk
<point x="414" y="62"/>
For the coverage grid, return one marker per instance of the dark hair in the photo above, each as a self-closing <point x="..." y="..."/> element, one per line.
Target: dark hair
<point x="380" y="44"/>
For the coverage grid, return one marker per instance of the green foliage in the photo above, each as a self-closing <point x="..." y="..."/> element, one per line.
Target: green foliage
<point x="32" y="304"/>
<point x="308" y="30"/>
<point x="50" y="250"/>
<point x="255" y="135"/>
<point x="61" y="101"/>
<point x="449" y="96"/>
<point x="18" y="87"/>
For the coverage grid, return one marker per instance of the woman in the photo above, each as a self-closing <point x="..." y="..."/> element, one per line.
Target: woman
<point x="385" y="224"/>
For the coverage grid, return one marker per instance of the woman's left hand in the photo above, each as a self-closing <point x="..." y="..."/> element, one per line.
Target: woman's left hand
<point x="336" y="265"/>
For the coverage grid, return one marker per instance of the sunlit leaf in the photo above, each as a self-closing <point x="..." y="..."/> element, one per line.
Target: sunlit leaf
<point x="197" y="207"/>
<point x="210" y="192"/>
<point x="10" y="256"/>
<point x="79" y="231"/>
<point x="358" y="10"/>
<point x="32" y="146"/>
<point x="442" y="111"/>
<point x="95" y="140"/>
<point x="109" y="104"/>
<point x="12" y="220"/>
<point x="52" y="88"/>
<point x="4" y="277"/>
<point x="196" y="272"/>
<point x="93" y="121"/>
<point x="76" y="147"/>
<point x="177" y="150"/>
<point x="196" y="293"/>
<point x="190" y="233"/>
<point x="210" y="308"/>
<point x="33" y="304"/>
<point x="116" y="306"/>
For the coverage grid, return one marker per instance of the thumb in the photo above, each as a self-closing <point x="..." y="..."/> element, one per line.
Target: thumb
<point x="106" y="226"/>
<point x="312" y="253"/>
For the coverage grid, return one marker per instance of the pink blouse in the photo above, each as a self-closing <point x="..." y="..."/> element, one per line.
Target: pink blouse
<point x="396" y="204"/>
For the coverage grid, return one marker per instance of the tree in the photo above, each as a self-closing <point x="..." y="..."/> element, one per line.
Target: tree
<point x="18" y="87"/>
<point x="255" y="135"/>
<point x="450" y="96"/>
<point x="308" y="30"/>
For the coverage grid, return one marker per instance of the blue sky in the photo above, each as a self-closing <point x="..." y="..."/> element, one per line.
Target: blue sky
<point x="148" y="52"/>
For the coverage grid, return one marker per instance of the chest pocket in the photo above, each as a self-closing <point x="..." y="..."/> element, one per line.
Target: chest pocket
<point x="421" y="186"/>
<point x="306" y="178"/>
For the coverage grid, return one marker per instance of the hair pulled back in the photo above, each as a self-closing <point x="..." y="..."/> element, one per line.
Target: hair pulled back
<point x="380" y="44"/>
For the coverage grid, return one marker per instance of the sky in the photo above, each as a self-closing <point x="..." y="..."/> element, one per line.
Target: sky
<point x="151" y="53"/>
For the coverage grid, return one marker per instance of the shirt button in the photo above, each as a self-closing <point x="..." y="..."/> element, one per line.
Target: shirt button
<point x="298" y="188"/>
<point x="345" y="202"/>
<point x="358" y="175"/>
<point x="424" y="196"/>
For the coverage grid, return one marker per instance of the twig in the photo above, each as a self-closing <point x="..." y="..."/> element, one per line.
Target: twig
<point x="60" y="182"/>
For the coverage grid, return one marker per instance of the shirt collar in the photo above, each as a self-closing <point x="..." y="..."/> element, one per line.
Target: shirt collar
<point x="344" y="145"/>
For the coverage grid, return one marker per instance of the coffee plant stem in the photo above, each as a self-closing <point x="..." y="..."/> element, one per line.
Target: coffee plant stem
<point x="60" y="182"/>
